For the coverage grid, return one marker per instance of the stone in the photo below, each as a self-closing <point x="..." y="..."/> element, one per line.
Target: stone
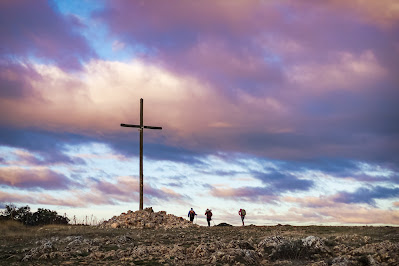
<point x="315" y="245"/>
<point x="114" y="225"/>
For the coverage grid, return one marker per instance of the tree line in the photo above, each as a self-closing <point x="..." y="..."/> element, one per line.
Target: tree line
<point x="25" y="216"/>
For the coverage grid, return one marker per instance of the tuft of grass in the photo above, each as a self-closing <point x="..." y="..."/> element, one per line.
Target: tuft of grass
<point x="291" y="250"/>
<point x="364" y="260"/>
<point x="12" y="229"/>
<point x="10" y="225"/>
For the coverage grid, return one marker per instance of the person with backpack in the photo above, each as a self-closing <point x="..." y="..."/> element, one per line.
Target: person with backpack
<point x="208" y="214"/>
<point x="242" y="213"/>
<point x="191" y="214"/>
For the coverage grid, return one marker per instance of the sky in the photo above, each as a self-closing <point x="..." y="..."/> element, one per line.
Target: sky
<point x="288" y="109"/>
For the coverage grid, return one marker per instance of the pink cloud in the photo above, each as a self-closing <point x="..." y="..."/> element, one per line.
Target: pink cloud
<point x="345" y="72"/>
<point x="333" y="212"/>
<point x="33" y="178"/>
<point x="338" y="214"/>
<point x="312" y="202"/>
<point x="46" y="199"/>
<point x="384" y="13"/>
<point x="126" y="189"/>
<point x="107" y="92"/>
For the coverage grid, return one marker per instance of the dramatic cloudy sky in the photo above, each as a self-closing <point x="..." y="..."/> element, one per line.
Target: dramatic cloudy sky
<point x="287" y="108"/>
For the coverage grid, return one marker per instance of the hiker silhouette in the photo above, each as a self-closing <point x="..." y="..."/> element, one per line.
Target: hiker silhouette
<point x="208" y="214"/>
<point x="191" y="214"/>
<point x="242" y="213"/>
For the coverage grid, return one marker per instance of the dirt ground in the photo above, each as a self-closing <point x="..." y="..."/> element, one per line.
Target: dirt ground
<point x="216" y="245"/>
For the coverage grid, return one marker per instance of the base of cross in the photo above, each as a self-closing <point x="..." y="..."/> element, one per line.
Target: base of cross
<point x="147" y="218"/>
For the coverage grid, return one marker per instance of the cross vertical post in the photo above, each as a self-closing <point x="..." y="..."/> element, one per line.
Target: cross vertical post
<point x="141" y="128"/>
<point x="141" y="154"/>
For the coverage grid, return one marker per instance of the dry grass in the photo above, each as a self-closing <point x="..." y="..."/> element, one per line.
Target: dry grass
<point x="11" y="229"/>
<point x="14" y="231"/>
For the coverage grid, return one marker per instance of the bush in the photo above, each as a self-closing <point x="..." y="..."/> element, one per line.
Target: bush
<point x="25" y="216"/>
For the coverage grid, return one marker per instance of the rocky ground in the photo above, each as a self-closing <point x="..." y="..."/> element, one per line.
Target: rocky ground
<point x="148" y="238"/>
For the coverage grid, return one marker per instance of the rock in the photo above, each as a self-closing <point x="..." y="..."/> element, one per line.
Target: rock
<point x="341" y="261"/>
<point x="250" y="257"/>
<point x="69" y="239"/>
<point x="37" y="252"/>
<point x="224" y="224"/>
<point x="315" y="245"/>
<point x="114" y="225"/>
<point x="201" y="251"/>
<point x="240" y="244"/>
<point x="269" y="243"/>
<point x="74" y="242"/>
<point x="150" y="210"/>
<point x="123" y="239"/>
<point x="319" y="263"/>
<point x="147" y="218"/>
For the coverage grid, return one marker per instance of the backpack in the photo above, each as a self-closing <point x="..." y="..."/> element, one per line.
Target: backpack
<point x="243" y="212"/>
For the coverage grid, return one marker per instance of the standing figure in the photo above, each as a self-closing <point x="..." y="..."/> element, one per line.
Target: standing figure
<point x="242" y="213"/>
<point x="208" y="214"/>
<point x="191" y="214"/>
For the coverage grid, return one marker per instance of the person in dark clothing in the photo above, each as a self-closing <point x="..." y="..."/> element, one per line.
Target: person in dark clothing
<point x="242" y="213"/>
<point x="208" y="214"/>
<point x="191" y="214"/>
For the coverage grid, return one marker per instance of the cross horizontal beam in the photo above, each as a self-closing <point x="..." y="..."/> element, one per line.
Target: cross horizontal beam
<point x="138" y="126"/>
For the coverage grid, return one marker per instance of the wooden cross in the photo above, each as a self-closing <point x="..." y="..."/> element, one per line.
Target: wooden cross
<point x="141" y="128"/>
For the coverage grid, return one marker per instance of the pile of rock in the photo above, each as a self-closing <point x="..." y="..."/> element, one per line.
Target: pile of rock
<point x="146" y="218"/>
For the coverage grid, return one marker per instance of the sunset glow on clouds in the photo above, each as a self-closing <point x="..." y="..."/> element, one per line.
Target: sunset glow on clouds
<point x="288" y="109"/>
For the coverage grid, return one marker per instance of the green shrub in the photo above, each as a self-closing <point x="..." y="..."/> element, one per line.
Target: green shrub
<point x="25" y="216"/>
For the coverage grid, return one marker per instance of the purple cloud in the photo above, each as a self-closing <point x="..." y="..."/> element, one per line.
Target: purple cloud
<point x="49" y="145"/>
<point x="279" y="182"/>
<point x="38" y="29"/>
<point x="253" y="194"/>
<point x="33" y="178"/>
<point x="15" y="80"/>
<point x="348" y="107"/>
<point x="367" y="195"/>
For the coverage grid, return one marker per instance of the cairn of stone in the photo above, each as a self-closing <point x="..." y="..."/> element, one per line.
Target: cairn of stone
<point x="146" y="218"/>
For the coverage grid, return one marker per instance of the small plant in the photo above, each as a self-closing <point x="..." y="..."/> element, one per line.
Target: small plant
<point x="292" y="250"/>
<point x="288" y="250"/>
<point x="330" y="242"/>
<point x="364" y="260"/>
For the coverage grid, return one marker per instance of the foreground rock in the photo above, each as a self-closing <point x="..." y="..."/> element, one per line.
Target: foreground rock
<point x="202" y="246"/>
<point x="146" y="218"/>
<point x="169" y="244"/>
